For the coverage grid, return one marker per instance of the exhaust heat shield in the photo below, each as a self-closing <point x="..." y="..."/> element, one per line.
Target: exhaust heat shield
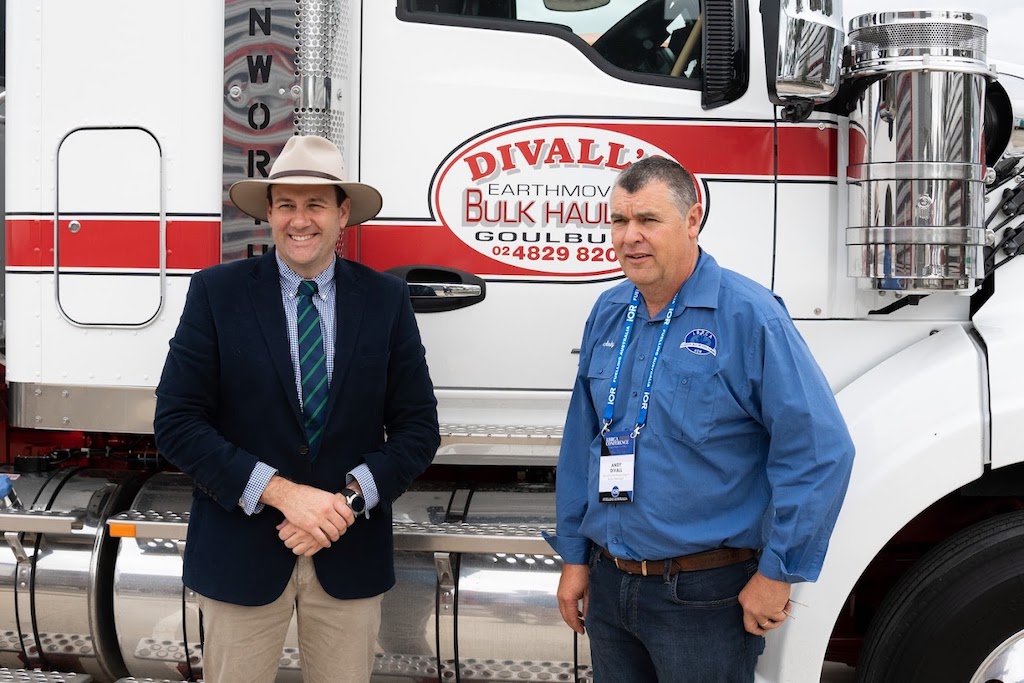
<point x="916" y="173"/>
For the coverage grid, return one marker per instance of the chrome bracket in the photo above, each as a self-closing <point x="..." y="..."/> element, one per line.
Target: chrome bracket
<point x="13" y="539"/>
<point x="445" y="577"/>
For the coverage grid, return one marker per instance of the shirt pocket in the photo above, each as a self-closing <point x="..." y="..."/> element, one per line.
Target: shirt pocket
<point x="599" y="377"/>
<point x="686" y="411"/>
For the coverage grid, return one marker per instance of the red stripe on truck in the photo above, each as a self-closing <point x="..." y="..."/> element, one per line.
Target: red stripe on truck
<point x="127" y="243"/>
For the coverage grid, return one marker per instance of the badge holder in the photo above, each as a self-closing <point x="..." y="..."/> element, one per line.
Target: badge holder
<point x="618" y="459"/>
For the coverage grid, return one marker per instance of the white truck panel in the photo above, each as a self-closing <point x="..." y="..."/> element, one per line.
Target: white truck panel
<point x="918" y="422"/>
<point x="167" y="81"/>
<point x="105" y="357"/>
<point x="810" y="251"/>
<point x="24" y="345"/>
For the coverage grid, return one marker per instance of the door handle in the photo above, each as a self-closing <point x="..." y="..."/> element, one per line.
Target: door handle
<point x="427" y="290"/>
<point x="433" y="289"/>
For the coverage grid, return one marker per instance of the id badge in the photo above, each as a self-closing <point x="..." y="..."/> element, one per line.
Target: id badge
<point x="618" y="454"/>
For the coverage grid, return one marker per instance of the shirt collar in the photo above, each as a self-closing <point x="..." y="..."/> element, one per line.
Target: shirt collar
<point x="699" y="291"/>
<point x="290" y="280"/>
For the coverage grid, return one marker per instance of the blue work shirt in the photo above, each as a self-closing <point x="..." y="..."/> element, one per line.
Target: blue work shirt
<point x="744" y="445"/>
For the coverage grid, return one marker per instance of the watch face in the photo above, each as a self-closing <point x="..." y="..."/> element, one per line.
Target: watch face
<point x="356" y="502"/>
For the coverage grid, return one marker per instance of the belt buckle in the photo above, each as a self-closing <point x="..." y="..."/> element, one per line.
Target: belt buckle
<point x="643" y="567"/>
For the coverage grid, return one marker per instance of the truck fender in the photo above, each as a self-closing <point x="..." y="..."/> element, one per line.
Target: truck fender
<point x="1000" y="323"/>
<point x="919" y="423"/>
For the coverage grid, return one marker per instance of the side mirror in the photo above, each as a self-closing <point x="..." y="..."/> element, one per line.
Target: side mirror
<point x="803" y="45"/>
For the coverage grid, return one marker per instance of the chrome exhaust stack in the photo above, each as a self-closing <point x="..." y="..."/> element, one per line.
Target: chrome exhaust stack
<point x="916" y="172"/>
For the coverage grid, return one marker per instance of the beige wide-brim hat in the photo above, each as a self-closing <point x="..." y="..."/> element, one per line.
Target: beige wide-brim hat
<point x="307" y="160"/>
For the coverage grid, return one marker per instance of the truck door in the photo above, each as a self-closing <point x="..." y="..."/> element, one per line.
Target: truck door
<point x="495" y="130"/>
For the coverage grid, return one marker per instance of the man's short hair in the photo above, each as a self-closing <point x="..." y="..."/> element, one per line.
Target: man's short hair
<point x="659" y="169"/>
<point x="338" y="192"/>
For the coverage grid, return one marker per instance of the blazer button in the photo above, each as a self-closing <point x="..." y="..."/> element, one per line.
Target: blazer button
<point x="303" y="450"/>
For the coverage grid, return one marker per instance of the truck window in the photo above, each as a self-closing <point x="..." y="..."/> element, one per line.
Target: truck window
<point x="643" y="37"/>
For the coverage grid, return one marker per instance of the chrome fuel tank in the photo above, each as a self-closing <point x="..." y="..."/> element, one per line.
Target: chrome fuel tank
<point x="474" y="598"/>
<point x="473" y="562"/>
<point x="55" y="571"/>
<point x="159" y="625"/>
<point x="157" y="622"/>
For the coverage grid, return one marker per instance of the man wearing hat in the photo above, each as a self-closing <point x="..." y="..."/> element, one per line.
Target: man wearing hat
<point x="296" y="396"/>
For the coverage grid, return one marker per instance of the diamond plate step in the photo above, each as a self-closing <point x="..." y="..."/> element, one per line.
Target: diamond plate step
<point x="471" y="538"/>
<point x="150" y="524"/>
<point x="494" y="444"/>
<point x="37" y="676"/>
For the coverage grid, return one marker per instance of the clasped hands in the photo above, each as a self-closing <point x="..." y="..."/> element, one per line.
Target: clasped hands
<point x="313" y="518"/>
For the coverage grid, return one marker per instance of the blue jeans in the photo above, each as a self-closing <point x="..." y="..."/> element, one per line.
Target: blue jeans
<point x="686" y="628"/>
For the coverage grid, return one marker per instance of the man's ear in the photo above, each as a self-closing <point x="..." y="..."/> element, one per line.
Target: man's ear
<point x="346" y="211"/>
<point x="693" y="220"/>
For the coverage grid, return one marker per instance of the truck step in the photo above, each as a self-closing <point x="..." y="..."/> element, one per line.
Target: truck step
<point x="501" y="431"/>
<point x="463" y="537"/>
<point x="492" y="444"/>
<point x="37" y="676"/>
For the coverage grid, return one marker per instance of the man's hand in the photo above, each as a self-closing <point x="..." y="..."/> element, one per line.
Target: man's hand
<point x="299" y="541"/>
<point x="765" y="604"/>
<point x="323" y="516"/>
<point x="573" y="587"/>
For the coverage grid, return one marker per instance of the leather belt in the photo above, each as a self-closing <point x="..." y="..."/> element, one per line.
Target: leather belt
<point x="709" y="559"/>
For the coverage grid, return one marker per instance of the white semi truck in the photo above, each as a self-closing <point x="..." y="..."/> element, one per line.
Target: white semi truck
<point x="854" y="165"/>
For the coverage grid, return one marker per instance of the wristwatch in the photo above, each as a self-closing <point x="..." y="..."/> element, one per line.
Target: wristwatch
<point x="354" y="500"/>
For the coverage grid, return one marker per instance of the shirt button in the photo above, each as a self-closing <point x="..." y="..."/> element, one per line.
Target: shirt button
<point x="615" y="539"/>
<point x="303" y="450"/>
<point x="642" y="356"/>
<point x="634" y="393"/>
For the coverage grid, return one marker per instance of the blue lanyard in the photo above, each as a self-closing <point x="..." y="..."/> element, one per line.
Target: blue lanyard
<point x="627" y="330"/>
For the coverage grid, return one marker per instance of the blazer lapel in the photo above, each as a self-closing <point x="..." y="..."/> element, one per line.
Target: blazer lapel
<point x="350" y="303"/>
<point x="265" y="293"/>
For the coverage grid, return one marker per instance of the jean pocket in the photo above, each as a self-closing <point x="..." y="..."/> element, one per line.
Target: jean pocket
<point x="709" y="588"/>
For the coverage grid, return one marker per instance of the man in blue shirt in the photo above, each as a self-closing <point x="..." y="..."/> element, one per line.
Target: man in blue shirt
<point x="704" y="459"/>
<point x="297" y="397"/>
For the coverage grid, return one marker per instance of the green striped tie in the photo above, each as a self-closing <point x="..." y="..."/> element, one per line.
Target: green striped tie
<point x="312" y="365"/>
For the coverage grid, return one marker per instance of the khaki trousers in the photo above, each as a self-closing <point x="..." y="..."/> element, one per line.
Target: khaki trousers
<point x="336" y="637"/>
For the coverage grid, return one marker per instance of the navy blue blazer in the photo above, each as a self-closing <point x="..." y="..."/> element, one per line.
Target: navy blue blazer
<point x="227" y="399"/>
